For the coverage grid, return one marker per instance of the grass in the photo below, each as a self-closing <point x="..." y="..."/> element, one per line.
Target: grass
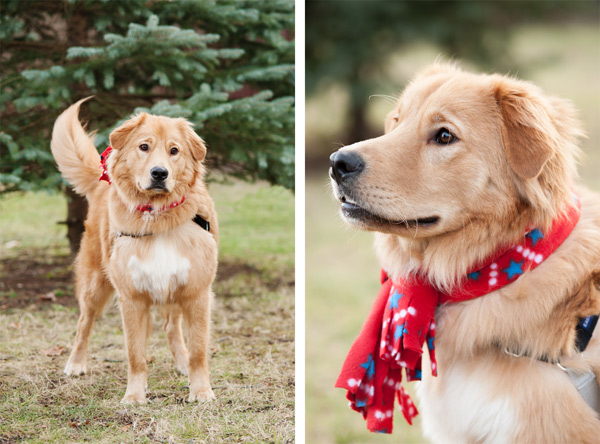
<point x="252" y="348"/>
<point x="247" y="233"/>
<point x="32" y="221"/>
<point x="341" y="268"/>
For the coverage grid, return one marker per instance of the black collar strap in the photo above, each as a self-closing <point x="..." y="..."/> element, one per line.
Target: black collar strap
<point x="202" y="222"/>
<point x="585" y="330"/>
<point x="197" y="219"/>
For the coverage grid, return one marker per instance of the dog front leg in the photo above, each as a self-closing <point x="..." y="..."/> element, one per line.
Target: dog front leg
<point x="136" y="316"/>
<point x="197" y="317"/>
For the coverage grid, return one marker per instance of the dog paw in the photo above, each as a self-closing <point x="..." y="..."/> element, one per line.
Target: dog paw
<point x="75" y="369"/>
<point x="134" y="398"/>
<point x="204" y="395"/>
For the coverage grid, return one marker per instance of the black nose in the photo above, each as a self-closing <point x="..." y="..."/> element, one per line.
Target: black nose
<point x="159" y="174"/>
<point x="345" y="164"/>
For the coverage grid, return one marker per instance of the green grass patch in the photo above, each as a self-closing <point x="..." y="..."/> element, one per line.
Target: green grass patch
<point x="256" y="226"/>
<point x="31" y="220"/>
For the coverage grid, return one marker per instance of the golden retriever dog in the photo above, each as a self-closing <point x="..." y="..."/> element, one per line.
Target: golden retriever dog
<point x="141" y="240"/>
<point x="468" y="164"/>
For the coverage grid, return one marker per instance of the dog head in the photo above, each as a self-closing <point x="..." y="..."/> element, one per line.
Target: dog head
<point x="155" y="158"/>
<point x="460" y="148"/>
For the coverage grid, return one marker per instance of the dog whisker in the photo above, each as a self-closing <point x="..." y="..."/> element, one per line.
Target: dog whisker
<point x="390" y="99"/>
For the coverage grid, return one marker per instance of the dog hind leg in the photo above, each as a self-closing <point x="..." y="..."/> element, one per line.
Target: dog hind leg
<point x="172" y="326"/>
<point x="93" y="293"/>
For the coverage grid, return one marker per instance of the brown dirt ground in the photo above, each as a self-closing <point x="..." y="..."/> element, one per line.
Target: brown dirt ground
<point x="39" y="279"/>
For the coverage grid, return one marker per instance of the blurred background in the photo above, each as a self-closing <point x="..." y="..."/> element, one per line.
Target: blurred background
<point x="357" y="53"/>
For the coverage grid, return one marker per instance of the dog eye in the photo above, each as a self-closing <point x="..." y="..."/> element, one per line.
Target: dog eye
<point x="174" y="151"/>
<point x="144" y="147"/>
<point x="444" y="137"/>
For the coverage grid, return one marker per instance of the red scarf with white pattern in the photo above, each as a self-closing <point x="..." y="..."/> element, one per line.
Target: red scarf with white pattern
<point x="402" y="319"/>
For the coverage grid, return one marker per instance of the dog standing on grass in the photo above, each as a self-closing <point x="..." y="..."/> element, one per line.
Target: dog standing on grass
<point x="150" y="236"/>
<point x="479" y="223"/>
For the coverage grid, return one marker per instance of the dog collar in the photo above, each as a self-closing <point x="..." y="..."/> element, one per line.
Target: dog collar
<point x="150" y="208"/>
<point x="402" y="319"/>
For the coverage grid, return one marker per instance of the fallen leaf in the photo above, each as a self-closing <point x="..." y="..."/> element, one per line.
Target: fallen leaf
<point x="15" y="325"/>
<point x="150" y="359"/>
<point x="57" y="350"/>
<point x="48" y="297"/>
<point x="12" y="244"/>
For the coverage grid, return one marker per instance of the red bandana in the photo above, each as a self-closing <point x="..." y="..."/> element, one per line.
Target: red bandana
<point x="144" y="207"/>
<point x="103" y="158"/>
<point x="402" y="318"/>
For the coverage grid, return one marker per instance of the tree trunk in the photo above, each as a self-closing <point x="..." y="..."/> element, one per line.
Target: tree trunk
<point x="77" y="205"/>
<point x="359" y="128"/>
<point x="77" y="208"/>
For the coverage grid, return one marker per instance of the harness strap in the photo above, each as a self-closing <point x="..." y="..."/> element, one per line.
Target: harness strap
<point x="587" y="386"/>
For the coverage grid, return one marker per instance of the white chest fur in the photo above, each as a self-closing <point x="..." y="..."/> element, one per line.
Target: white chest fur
<point x="464" y="409"/>
<point x="161" y="272"/>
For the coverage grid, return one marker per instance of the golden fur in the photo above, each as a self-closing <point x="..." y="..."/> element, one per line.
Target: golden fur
<point x="512" y="167"/>
<point x="173" y="267"/>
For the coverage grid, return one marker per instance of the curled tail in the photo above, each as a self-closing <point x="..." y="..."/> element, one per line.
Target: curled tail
<point x="74" y="151"/>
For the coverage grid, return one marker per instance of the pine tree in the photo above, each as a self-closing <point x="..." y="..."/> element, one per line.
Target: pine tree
<point x="225" y="65"/>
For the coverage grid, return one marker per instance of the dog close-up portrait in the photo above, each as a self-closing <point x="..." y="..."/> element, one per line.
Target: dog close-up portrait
<point x="150" y="238"/>
<point x="490" y="255"/>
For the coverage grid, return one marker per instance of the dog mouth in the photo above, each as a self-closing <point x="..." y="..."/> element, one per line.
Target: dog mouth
<point x="157" y="187"/>
<point x="353" y="212"/>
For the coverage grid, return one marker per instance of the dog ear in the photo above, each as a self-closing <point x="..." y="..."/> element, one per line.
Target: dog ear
<point x="119" y="136"/>
<point x="391" y="120"/>
<point x="197" y="145"/>
<point x="529" y="134"/>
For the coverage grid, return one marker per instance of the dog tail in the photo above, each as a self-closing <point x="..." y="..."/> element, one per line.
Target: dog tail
<point x="75" y="152"/>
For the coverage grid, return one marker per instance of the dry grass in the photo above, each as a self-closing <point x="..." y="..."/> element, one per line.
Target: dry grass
<point x="252" y="351"/>
<point x="251" y="367"/>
